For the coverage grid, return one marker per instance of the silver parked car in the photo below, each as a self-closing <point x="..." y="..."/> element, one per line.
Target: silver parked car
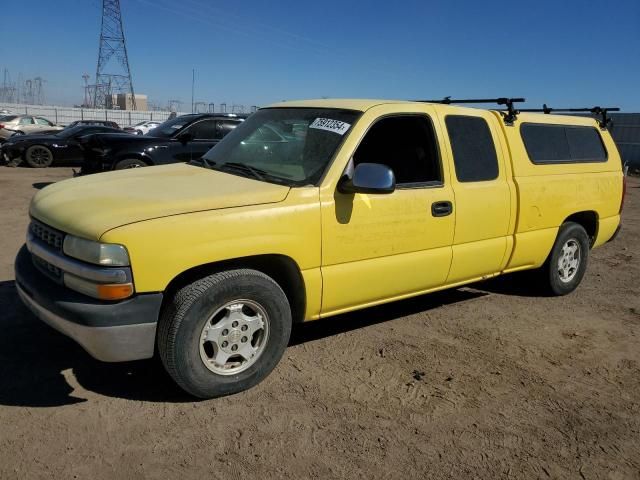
<point x="24" y="124"/>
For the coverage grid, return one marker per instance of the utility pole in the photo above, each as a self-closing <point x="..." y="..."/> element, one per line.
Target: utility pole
<point x="193" y="84"/>
<point x="116" y="78"/>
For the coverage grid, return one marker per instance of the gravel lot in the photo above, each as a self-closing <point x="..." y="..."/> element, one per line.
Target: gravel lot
<point x="492" y="381"/>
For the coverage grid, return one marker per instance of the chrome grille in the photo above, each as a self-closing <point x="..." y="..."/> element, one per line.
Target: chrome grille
<point x="47" y="235"/>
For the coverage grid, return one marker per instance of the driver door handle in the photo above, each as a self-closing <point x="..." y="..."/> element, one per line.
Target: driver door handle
<point x="441" y="209"/>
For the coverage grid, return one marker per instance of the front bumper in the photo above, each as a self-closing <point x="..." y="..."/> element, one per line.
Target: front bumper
<point x="108" y="331"/>
<point x="8" y="152"/>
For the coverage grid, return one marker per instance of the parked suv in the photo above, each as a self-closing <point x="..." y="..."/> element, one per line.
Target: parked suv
<point x="25" y="124"/>
<point x="180" y="139"/>
<point x="308" y="210"/>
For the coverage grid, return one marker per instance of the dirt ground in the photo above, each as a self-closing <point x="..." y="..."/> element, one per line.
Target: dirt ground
<point x="492" y="381"/>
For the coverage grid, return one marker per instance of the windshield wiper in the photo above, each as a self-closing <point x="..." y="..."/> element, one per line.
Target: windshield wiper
<point x="206" y="162"/>
<point x="256" y="172"/>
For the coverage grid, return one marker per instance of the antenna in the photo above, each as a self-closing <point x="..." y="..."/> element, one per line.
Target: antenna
<point x="112" y="79"/>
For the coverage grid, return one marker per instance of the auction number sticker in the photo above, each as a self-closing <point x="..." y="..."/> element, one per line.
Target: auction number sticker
<point x="335" y="126"/>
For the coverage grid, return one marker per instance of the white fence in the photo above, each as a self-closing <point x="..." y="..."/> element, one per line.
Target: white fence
<point x="66" y="115"/>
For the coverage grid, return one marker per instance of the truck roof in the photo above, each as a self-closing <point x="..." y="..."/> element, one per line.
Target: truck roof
<point x="362" y="105"/>
<point x="346" y="103"/>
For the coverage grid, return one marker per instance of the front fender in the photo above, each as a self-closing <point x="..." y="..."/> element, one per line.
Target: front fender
<point x="162" y="248"/>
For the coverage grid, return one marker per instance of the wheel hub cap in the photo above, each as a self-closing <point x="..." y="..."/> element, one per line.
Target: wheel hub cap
<point x="569" y="260"/>
<point x="234" y="337"/>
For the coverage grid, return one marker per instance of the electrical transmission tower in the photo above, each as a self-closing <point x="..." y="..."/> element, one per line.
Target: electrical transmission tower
<point x="115" y="77"/>
<point x="8" y="92"/>
<point x="87" y="100"/>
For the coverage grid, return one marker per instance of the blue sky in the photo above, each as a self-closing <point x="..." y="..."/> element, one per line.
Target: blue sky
<point x="565" y="53"/>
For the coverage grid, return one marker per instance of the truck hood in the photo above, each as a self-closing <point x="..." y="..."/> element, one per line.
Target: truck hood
<point x="90" y="206"/>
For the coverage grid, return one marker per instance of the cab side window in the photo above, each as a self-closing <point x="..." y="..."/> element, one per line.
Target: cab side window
<point x="407" y="145"/>
<point x="204" y="130"/>
<point x="26" y="121"/>
<point x="474" y="153"/>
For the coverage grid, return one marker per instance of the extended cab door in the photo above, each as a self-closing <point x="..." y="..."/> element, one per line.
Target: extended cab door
<point x="376" y="247"/>
<point x="483" y="193"/>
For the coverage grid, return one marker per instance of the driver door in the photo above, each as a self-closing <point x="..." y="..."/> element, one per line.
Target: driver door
<point x="378" y="247"/>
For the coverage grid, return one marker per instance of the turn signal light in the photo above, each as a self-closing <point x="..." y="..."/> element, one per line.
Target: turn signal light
<point x="116" y="291"/>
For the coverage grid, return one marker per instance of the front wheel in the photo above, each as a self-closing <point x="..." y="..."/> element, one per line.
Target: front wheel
<point x="224" y="333"/>
<point x="38" y="156"/>
<point x="567" y="262"/>
<point x="129" y="163"/>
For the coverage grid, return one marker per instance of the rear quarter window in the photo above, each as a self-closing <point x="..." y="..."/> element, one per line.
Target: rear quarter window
<point x="474" y="153"/>
<point x="547" y="144"/>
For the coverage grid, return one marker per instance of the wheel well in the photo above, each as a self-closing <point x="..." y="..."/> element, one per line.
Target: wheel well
<point x="282" y="269"/>
<point x="588" y="220"/>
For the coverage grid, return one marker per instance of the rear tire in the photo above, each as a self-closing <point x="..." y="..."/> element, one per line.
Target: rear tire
<point x="130" y="163"/>
<point x="567" y="262"/>
<point x="38" y="156"/>
<point x="224" y="333"/>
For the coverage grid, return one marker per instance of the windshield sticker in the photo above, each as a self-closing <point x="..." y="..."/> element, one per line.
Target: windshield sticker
<point x="335" y="126"/>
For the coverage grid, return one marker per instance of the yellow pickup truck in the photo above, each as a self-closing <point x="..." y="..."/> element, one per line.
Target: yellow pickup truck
<point x="307" y="210"/>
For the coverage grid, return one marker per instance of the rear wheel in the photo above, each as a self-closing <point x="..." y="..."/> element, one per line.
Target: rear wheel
<point x="568" y="260"/>
<point x="224" y="333"/>
<point x="129" y="163"/>
<point x="38" y="156"/>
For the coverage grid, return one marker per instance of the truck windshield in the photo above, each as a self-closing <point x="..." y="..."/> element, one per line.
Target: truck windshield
<point x="291" y="146"/>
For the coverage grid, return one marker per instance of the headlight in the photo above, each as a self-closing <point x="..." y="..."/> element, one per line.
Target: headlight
<point x="107" y="254"/>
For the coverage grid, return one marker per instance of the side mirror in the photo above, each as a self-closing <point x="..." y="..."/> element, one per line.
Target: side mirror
<point x="185" y="137"/>
<point x="369" y="178"/>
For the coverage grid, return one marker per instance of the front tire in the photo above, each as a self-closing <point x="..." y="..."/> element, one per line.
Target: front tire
<point x="38" y="156"/>
<point x="567" y="262"/>
<point x="224" y="333"/>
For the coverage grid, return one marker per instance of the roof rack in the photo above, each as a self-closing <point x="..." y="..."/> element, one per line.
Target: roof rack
<point x="602" y="111"/>
<point x="509" y="116"/>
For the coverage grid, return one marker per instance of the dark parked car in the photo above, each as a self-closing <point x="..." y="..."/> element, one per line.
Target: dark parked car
<point x="64" y="147"/>
<point x="181" y="139"/>
<point x="101" y="123"/>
